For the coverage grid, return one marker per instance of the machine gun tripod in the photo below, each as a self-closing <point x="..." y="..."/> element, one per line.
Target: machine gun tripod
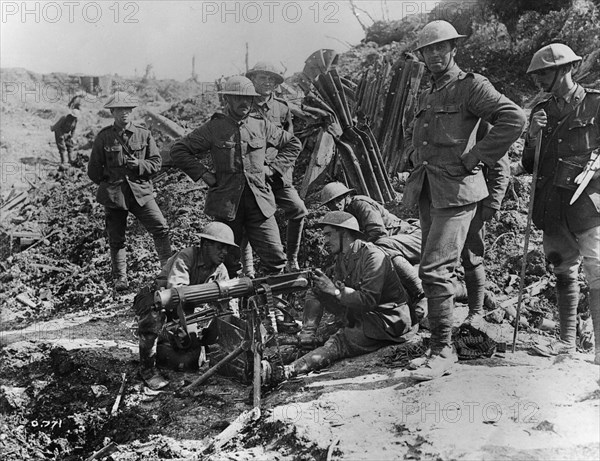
<point x="257" y="304"/>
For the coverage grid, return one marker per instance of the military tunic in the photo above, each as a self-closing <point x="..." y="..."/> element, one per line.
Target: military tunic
<point x="122" y="189"/>
<point x="570" y="231"/>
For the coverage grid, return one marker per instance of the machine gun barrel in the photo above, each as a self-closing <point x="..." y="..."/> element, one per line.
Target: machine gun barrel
<point x="235" y="288"/>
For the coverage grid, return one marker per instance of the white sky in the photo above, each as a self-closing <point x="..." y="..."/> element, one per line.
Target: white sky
<point x="106" y="37"/>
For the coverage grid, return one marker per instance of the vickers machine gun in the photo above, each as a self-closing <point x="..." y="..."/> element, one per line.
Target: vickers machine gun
<point x="256" y="306"/>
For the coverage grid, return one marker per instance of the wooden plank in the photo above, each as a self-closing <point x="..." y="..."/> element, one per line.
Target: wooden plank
<point x="321" y="157"/>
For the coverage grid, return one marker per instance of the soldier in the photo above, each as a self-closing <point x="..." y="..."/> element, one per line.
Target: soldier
<point x="239" y="194"/>
<point x="64" y="129"/>
<point x="265" y="78"/>
<point x="191" y="266"/>
<point x="400" y="239"/>
<point x="124" y="157"/>
<point x="363" y="289"/>
<point x="447" y="180"/>
<point x="568" y="121"/>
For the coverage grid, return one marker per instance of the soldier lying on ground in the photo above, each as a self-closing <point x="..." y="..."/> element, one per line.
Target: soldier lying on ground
<point x="400" y="239"/>
<point x="191" y="266"/>
<point x="363" y="290"/>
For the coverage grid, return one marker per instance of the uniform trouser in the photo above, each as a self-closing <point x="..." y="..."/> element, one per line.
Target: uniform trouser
<point x="563" y="248"/>
<point x="347" y="342"/>
<point x="262" y="233"/>
<point x="472" y="261"/>
<point x="444" y="234"/>
<point x="407" y="245"/>
<point x="149" y="327"/>
<point x="294" y="209"/>
<point x="151" y="218"/>
<point x="64" y="142"/>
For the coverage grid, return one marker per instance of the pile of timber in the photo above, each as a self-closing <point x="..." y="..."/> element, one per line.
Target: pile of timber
<point x="360" y="128"/>
<point x="356" y="149"/>
<point x="388" y="117"/>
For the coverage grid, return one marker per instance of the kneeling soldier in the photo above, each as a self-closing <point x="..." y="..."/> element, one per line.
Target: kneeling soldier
<point x="363" y="289"/>
<point x="191" y="266"/>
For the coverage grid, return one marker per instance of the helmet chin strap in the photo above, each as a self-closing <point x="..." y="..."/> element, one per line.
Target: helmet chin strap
<point x="554" y="80"/>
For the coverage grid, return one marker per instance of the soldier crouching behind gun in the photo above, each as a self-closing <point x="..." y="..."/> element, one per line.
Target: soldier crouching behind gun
<point x="366" y="294"/>
<point x="191" y="266"/>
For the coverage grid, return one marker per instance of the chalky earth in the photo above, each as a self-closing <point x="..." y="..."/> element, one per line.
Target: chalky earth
<point x="69" y="388"/>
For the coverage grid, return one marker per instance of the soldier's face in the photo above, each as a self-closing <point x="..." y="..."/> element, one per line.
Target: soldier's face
<point x="122" y="115"/>
<point x="544" y="79"/>
<point x="438" y="57"/>
<point x="333" y="239"/>
<point x="264" y="83"/>
<point x="337" y="204"/>
<point x="239" y="105"/>
<point x="216" y="252"/>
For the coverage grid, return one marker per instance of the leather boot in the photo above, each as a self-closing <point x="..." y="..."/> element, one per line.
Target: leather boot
<point x="148" y="371"/>
<point x="118" y="258"/>
<point x="441" y="313"/>
<point x="313" y="312"/>
<point x="594" y="306"/>
<point x="475" y="285"/>
<point x="247" y="260"/>
<point x="163" y="249"/>
<point x="293" y="237"/>
<point x="567" y="295"/>
<point x="319" y="358"/>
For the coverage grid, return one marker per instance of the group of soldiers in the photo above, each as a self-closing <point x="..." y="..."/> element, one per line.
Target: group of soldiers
<point x="389" y="275"/>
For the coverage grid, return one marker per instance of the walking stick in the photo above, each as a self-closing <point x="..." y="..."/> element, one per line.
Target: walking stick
<point x="536" y="161"/>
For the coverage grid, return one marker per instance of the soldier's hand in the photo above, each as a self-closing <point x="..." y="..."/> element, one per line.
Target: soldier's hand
<point x="323" y="283"/>
<point x="487" y="213"/>
<point x="132" y="162"/>
<point x="538" y="121"/>
<point x="268" y="171"/>
<point x="209" y="178"/>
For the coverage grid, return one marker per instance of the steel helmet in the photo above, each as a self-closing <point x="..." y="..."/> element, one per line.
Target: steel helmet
<point x="218" y="232"/>
<point x="122" y="99"/>
<point x="553" y="55"/>
<point x="334" y="190"/>
<point x="239" y="85"/>
<point x="266" y="68"/>
<point x="340" y="219"/>
<point x="435" y="32"/>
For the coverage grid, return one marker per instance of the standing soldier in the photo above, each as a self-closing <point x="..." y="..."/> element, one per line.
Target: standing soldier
<point x="239" y="194"/>
<point x="447" y="181"/>
<point x="568" y="121"/>
<point x="124" y="157"/>
<point x="265" y="78"/>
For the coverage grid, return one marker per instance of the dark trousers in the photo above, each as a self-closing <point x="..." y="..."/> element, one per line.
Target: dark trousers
<point x="472" y="254"/>
<point x="64" y="142"/>
<point x="149" y="215"/>
<point x="261" y="232"/>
